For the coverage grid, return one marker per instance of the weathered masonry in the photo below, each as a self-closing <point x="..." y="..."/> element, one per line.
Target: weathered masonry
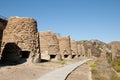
<point x="20" y="40"/>
<point x="49" y="45"/>
<point x="65" y="47"/>
<point x="3" y="23"/>
<point x="74" y="48"/>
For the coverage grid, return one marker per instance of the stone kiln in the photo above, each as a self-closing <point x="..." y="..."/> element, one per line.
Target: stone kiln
<point x="49" y="45"/>
<point x="65" y="47"/>
<point x="20" y="40"/>
<point x="74" y="48"/>
<point x="3" y="24"/>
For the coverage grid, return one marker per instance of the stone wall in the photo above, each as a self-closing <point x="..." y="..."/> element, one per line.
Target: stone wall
<point x="65" y="47"/>
<point x="49" y="44"/>
<point x="21" y="32"/>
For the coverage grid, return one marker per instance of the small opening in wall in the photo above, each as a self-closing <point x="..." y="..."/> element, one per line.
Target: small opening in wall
<point x="52" y="56"/>
<point x="65" y="56"/>
<point x="25" y="54"/>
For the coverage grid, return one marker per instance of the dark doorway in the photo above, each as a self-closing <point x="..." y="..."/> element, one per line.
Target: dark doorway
<point x="25" y="54"/>
<point x="73" y="56"/>
<point x="11" y="52"/>
<point x="78" y="55"/>
<point x="52" y="56"/>
<point x="65" y="56"/>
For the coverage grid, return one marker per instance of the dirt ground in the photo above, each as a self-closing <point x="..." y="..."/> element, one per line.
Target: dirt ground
<point x="32" y="71"/>
<point x="81" y="73"/>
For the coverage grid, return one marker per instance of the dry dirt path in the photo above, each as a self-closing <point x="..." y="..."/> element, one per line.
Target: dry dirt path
<point x="62" y="73"/>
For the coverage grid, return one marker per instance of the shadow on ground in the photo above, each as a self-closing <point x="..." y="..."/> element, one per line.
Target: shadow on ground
<point x="10" y="63"/>
<point x="44" y="60"/>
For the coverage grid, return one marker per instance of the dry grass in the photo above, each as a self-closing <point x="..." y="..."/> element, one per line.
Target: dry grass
<point x="101" y="70"/>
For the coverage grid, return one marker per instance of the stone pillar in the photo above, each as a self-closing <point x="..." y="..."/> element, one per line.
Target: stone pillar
<point x="23" y="33"/>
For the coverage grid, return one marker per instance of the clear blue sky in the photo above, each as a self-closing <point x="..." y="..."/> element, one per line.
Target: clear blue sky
<point x="81" y="19"/>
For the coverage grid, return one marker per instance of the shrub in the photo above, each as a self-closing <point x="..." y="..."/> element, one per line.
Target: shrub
<point x="92" y="65"/>
<point x="93" y="70"/>
<point x="116" y="64"/>
<point x="62" y="62"/>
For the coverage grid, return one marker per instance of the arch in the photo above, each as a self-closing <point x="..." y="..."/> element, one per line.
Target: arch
<point x="11" y="52"/>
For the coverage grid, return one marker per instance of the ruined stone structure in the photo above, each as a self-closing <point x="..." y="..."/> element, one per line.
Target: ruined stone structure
<point x="96" y="47"/>
<point x="103" y="52"/>
<point x="3" y="23"/>
<point x="89" y="53"/>
<point x="115" y="49"/>
<point x="20" y="40"/>
<point x="83" y="50"/>
<point x="91" y="47"/>
<point x="74" y="48"/>
<point x="49" y="45"/>
<point x="65" y="47"/>
<point x="79" y="49"/>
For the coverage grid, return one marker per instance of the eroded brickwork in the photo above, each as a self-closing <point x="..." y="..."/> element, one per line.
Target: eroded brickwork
<point x="21" y="32"/>
<point x="49" y="45"/>
<point x="65" y="47"/>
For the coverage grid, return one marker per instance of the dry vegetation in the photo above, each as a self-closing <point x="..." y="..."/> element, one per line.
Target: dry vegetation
<point x="101" y="70"/>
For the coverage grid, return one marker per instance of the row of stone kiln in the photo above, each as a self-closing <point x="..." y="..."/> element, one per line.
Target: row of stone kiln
<point x="58" y="47"/>
<point x="20" y="38"/>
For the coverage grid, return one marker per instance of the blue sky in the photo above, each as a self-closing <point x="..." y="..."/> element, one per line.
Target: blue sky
<point x="81" y="19"/>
